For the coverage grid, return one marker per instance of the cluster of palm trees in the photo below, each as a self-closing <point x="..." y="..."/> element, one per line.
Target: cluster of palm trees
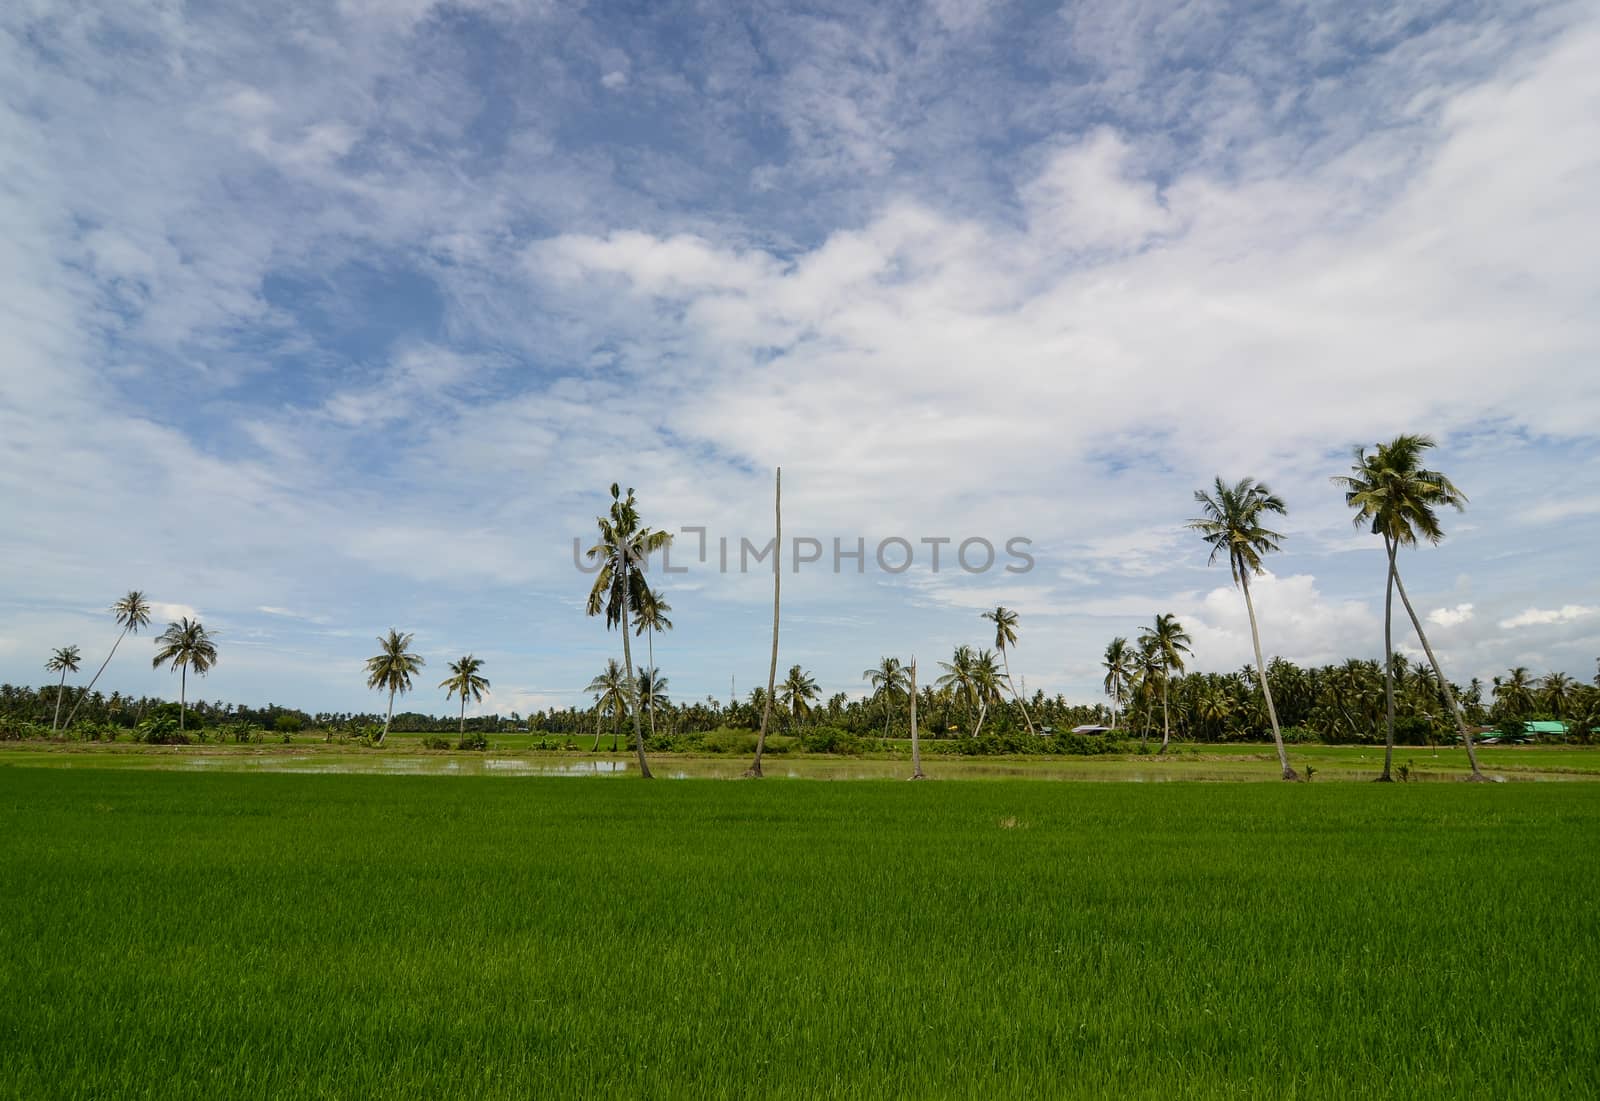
<point x="392" y="668"/>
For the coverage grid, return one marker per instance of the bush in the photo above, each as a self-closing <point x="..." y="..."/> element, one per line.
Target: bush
<point x="435" y="741"/>
<point x="160" y="729"/>
<point x="288" y="724"/>
<point x="16" y="730"/>
<point x="1299" y="735"/>
<point x="473" y="739"/>
<point x="829" y="739"/>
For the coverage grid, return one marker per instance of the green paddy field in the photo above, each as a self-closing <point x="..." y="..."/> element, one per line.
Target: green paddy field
<point x="179" y="934"/>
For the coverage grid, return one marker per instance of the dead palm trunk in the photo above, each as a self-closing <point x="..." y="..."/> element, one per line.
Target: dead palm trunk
<point x="916" y="750"/>
<point x="1444" y="685"/>
<point x="754" y="771"/>
<point x="1388" y="663"/>
<point x="1005" y="657"/>
<point x="1266" y="689"/>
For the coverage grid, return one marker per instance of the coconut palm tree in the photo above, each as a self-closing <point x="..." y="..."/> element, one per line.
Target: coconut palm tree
<point x="1232" y="526"/>
<point x="1514" y="694"/>
<point x="986" y="677"/>
<point x="653" y="617"/>
<point x="958" y="681"/>
<point x="624" y="547"/>
<point x="1005" y="636"/>
<point x="1118" y="664"/>
<point x="888" y="679"/>
<point x="1148" y="669"/>
<point x="1398" y="498"/>
<point x="464" y="681"/>
<point x="185" y="645"/>
<point x="1556" y="691"/>
<point x="65" y="660"/>
<point x="652" y="690"/>
<point x="132" y="613"/>
<point x="796" y="693"/>
<point x="393" y="667"/>
<point x="611" y="687"/>
<point x="1168" y="642"/>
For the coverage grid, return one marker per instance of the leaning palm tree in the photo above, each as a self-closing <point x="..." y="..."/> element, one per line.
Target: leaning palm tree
<point x="624" y="547"/>
<point x="611" y="697"/>
<point x="464" y="681"/>
<point x="1168" y="643"/>
<point x="796" y="693"/>
<point x="65" y="660"/>
<point x="132" y="613"/>
<point x="185" y="645"/>
<point x="1398" y="498"/>
<point x="1005" y="636"/>
<point x="392" y="668"/>
<point x="653" y="611"/>
<point x="888" y="679"/>
<point x="1232" y="526"/>
<point x="1118" y="664"/>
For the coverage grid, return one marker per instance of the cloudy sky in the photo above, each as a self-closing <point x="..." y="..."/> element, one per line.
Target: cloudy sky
<point x="320" y="320"/>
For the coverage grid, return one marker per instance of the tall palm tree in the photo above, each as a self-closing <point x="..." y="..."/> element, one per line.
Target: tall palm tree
<point x="624" y="547"/>
<point x="133" y="614"/>
<point x="958" y="680"/>
<point x="888" y="679"/>
<point x="653" y="611"/>
<point x="393" y="667"/>
<point x="1118" y="664"/>
<point x="65" y="660"/>
<point x="1232" y="526"/>
<point x="185" y="645"/>
<point x="652" y="690"/>
<point x="464" y="681"/>
<point x="1168" y="643"/>
<point x="1398" y="498"/>
<point x="1005" y="636"/>
<point x="986" y="677"/>
<point x="1147" y="666"/>
<point x="796" y="693"/>
<point x="611" y="687"/>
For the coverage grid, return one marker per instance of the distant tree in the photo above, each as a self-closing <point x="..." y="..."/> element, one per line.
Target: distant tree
<point x="888" y="679"/>
<point x="653" y="611"/>
<point x="1557" y="691"/>
<point x="1232" y="526"/>
<point x="1005" y="636"/>
<point x="1118" y="664"/>
<point x="652" y="690"/>
<point x="958" y="679"/>
<point x="623" y="549"/>
<point x="65" y="660"/>
<point x="1514" y="694"/>
<point x="797" y="692"/>
<point x="132" y="613"/>
<point x="464" y="681"/>
<point x="1168" y="642"/>
<point x="183" y="646"/>
<point x="392" y="668"/>
<point x="1393" y="493"/>
<point x="986" y="678"/>
<point x="611" y="687"/>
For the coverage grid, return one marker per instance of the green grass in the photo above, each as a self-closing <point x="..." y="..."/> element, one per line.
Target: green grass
<point x="255" y="936"/>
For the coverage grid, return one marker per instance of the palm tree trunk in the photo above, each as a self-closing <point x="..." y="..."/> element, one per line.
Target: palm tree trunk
<point x="183" y="694"/>
<point x="1166" y="726"/>
<point x="55" y="723"/>
<point x="461" y="731"/>
<point x="754" y="771"/>
<point x="79" y="702"/>
<point x="983" y="713"/>
<point x="598" y="715"/>
<point x="650" y="641"/>
<point x="387" y="718"/>
<point x="1266" y="689"/>
<point x="916" y="749"/>
<point x="1388" y="663"/>
<point x="633" y="685"/>
<point x="1006" y="657"/>
<point x="1444" y="685"/>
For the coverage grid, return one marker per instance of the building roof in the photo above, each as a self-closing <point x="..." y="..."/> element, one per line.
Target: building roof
<point x="1545" y="727"/>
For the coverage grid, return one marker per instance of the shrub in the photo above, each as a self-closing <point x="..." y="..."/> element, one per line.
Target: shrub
<point x="435" y="741"/>
<point x="16" y="730"/>
<point x="473" y="739"/>
<point x="1299" y="735"/>
<point x="288" y="724"/>
<point x="829" y="739"/>
<point x="160" y="729"/>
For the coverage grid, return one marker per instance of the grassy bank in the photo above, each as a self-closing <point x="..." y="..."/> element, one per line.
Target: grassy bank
<point x="260" y="936"/>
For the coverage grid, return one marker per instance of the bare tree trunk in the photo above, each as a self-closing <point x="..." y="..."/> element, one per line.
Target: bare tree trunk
<point x="1006" y="657"/>
<point x="754" y="771"/>
<point x="1444" y="685"/>
<point x="916" y="749"/>
<point x="55" y="723"/>
<point x="633" y="685"/>
<point x="1388" y="663"/>
<point x="79" y="702"/>
<point x="1266" y="689"/>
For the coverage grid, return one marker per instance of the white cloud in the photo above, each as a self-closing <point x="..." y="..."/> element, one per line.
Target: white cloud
<point x="1450" y="617"/>
<point x="1534" y="617"/>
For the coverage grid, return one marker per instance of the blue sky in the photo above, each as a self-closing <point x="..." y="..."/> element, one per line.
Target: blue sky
<point x="321" y="320"/>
